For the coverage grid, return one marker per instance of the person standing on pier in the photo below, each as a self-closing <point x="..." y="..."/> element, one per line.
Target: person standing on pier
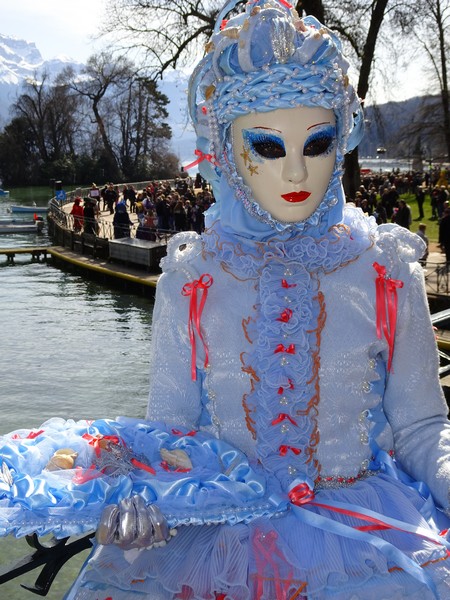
<point x="90" y="215"/>
<point x="78" y="215"/>
<point x="121" y="221"/>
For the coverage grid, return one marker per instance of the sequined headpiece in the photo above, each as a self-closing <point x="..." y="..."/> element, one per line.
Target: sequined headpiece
<point x="264" y="59"/>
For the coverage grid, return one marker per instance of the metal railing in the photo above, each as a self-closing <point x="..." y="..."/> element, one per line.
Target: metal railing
<point x="436" y="277"/>
<point x="101" y="227"/>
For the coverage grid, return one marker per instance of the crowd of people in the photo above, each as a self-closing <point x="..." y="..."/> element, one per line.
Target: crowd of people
<point x="179" y="205"/>
<point x="380" y="195"/>
<point x="160" y="207"/>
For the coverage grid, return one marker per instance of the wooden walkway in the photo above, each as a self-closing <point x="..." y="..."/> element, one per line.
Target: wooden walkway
<point x="36" y="253"/>
<point x="125" y="273"/>
<point x="107" y="268"/>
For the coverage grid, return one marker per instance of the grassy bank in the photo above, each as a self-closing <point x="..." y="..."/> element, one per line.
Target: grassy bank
<point x="432" y="224"/>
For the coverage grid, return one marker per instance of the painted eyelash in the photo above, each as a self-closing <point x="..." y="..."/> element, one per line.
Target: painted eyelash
<point x="320" y="143"/>
<point x="264" y="146"/>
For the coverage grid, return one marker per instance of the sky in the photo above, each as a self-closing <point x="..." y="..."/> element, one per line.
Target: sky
<point x="69" y="27"/>
<point x="56" y="26"/>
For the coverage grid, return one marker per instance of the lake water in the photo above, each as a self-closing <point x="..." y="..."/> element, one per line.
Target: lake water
<point x="70" y="348"/>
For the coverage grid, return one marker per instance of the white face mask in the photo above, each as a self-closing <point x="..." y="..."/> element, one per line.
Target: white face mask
<point x="286" y="157"/>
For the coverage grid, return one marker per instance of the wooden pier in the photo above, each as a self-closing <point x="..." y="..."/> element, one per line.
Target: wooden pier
<point x="35" y="251"/>
<point x="126" y="275"/>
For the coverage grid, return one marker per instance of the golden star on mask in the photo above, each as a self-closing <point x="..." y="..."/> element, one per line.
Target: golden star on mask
<point x="245" y="156"/>
<point x="253" y="169"/>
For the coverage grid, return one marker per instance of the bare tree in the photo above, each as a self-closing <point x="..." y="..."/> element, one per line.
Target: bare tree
<point x="49" y="109"/>
<point x="143" y="133"/>
<point x="431" y="27"/>
<point x="165" y="34"/>
<point x="128" y="111"/>
<point x="101" y="75"/>
<point x="170" y="34"/>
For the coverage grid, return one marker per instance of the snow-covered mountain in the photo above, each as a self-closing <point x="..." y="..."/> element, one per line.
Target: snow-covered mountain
<point x="20" y="60"/>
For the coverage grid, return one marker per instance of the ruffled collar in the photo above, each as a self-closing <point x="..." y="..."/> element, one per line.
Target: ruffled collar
<point x="246" y="255"/>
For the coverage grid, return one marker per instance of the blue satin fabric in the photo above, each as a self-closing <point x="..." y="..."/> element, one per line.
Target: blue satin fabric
<point x="222" y="486"/>
<point x="393" y="554"/>
<point x="308" y="515"/>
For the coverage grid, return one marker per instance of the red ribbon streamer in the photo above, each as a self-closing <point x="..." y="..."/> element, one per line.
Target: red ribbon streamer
<point x="303" y="494"/>
<point x="283" y="417"/>
<point x="195" y="314"/>
<point x="387" y="303"/>
<point x="144" y="467"/>
<point x="266" y="553"/>
<point x="201" y="157"/>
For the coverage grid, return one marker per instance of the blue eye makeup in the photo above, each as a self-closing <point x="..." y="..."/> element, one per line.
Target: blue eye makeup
<point x="264" y="144"/>
<point x="321" y="142"/>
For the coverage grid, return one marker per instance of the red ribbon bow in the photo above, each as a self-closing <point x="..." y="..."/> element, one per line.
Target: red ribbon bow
<point x="31" y="436"/>
<point x="283" y="417"/>
<point x="95" y="441"/>
<point x="289" y="350"/>
<point x="285" y="449"/>
<point x="290" y="385"/>
<point x="285" y="315"/>
<point x="195" y="314"/>
<point x="201" y="157"/>
<point x="301" y="494"/>
<point x="287" y="285"/>
<point x="387" y="302"/>
<point x="188" y="434"/>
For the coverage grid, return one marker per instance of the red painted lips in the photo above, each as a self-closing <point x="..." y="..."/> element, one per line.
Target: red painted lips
<point x="296" y="196"/>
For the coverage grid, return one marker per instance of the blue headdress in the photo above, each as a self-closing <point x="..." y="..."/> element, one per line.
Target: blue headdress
<point x="264" y="59"/>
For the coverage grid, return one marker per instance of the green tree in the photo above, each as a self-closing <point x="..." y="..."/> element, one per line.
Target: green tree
<point x="19" y="164"/>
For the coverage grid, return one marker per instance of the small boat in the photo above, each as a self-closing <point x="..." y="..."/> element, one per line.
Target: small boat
<point x="15" y="221"/>
<point x="4" y="193"/>
<point x="16" y="208"/>
<point x="381" y="150"/>
<point x="18" y="226"/>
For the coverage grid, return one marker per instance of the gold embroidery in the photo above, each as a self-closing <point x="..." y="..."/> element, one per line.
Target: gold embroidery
<point x="245" y="156"/>
<point x="253" y="169"/>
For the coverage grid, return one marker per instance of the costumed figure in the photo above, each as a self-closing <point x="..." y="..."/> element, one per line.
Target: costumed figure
<point x="295" y="443"/>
